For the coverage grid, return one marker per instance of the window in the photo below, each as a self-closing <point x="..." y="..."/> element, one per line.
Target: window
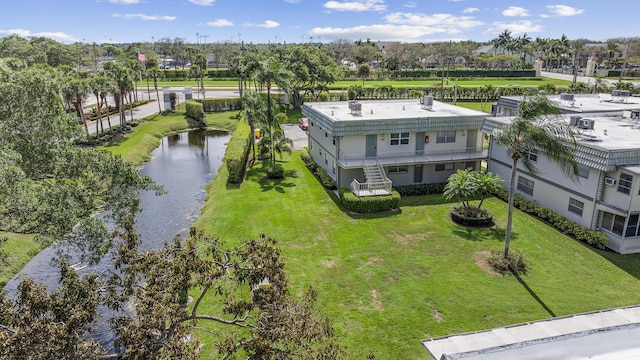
<point x="581" y="171"/>
<point x="624" y="183"/>
<point x="444" y="167"/>
<point x="402" y="169"/>
<point x="533" y="155"/>
<point x="576" y="206"/>
<point x="632" y="226"/>
<point x="613" y="223"/>
<point x="525" y="185"/>
<point x="400" y="138"/>
<point x="445" y="137"/>
<point x="334" y="140"/>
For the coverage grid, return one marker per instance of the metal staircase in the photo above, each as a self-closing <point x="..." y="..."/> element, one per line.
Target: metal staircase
<point x="374" y="175"/>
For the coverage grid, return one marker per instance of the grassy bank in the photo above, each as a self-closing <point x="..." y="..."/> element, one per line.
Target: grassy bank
<point x="391" y="280"/>
<point x="19" y="249"/>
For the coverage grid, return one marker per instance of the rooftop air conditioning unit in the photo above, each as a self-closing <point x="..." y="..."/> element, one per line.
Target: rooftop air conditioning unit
<point x="574" y="120"/>
<point x="355" y="108"/>
<point x="427" y="102"/>
<point x="610" y="181"/>
<point x="566" y="97"/>
<point x="587" y="124"/>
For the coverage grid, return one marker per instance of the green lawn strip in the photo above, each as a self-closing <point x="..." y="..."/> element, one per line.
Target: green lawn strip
<point x="20" y="248"/>
<point x="136" y="146"/>
<point x="388" y="281"/>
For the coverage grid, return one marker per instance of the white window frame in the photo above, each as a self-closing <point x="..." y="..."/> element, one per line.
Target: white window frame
<point x="445" y="167"/>
<point x="624" y="185"/>
<point x="398" y="169"/>
<point x="612" y="223"/>
<point x="633" y="225"/>
<point x="443" y="137"/>
<point x="533" y="155"/>
<point x="399" y="138"/>
<point x="526" y="185"/>
<point x="576" y="206"/>
<point x="581" y="171"/>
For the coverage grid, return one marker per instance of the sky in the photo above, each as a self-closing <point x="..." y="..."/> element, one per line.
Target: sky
<point x="295" y="21"/>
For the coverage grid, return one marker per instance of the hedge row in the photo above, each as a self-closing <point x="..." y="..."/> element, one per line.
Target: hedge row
<point x="237" y="151"/>
<point x="438" y="73"/>
<point x="420" y="189"/>
<point x="220" y="104"/>
<point x="369" y="204"/>
<point x="325" y="179"/>
<point x="195" y="111"/>
<point x="592" y="237"/>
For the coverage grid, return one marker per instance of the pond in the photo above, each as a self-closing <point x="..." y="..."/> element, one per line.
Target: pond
<point x="183" y="164"/>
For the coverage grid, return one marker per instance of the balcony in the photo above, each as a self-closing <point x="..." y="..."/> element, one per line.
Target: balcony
<point x="349" y="161"/>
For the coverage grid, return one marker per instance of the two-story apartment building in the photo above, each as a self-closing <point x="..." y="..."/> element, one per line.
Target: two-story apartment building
<point x="371" y="145"/>
<point x="606" y="192"/>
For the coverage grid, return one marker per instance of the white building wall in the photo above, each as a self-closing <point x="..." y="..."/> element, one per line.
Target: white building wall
<point x="353" y="145"/>
<point x="322" y="149"/>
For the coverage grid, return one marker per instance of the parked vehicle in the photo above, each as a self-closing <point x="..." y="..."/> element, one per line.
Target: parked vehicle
<point x="304" y="123"/>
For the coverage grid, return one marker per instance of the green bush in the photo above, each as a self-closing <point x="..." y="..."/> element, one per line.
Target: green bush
<point x="276" y="172"/>
<point x="195" y="111"/>
<point x="237" y="151"/>
<point x="220" y="104"/>
<point x="369" y="204"/>
<point x="420" y="189"/>
<point x="482" y="217"/>
<point x="514" y="262"/>
<point x="594" y="238"/>
<point x="325" y="179"/>
<point x="308" y="160"/>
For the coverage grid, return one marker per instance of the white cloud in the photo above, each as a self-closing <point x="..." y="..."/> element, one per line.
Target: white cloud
<point x="356" y="5"/>
<point x="267" y="24"/>
<point x="125" y="2"/>
<point x="410" y="4"/>
<point x="58" y="36"/>
<point x="202" y="2"/>
<point x="470" y="10"/>
<point x="145" y="17"/>
<point x="564" y="10"/>
<point x="447" y="21"/>
<point x="515" y="11"/>
<point x="220" y="23"/>
<point x="292" y="1"/>
<point x="516" y="27"/>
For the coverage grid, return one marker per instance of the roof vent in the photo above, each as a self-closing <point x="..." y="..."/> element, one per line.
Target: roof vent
<point x="355" y="107"/>
<point x="567" y="97"/>
<point x="427" y="102"/>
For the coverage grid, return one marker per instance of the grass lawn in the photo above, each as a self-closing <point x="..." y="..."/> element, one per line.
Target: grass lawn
<point x="19" y="248"/>
<point x="390" y="280"/>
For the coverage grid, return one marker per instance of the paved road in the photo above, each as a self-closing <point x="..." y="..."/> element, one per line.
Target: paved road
<point x="584" y="79"/>
<point x="152" y="107"/>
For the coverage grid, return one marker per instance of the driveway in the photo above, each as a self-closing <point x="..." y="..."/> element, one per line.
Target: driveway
<point x="298" y="136"/>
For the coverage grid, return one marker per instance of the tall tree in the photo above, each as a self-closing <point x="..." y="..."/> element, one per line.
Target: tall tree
<point x="270" y="73"/>
<point x="363" y="72"/>
<point x="123" y="80"/>
<point x="577" y="46"/>
<point x="201" y="63"/>
<point x="536" y="127"/>
<point x="75" y="90"/>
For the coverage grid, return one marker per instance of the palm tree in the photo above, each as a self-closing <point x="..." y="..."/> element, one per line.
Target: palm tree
<point x="254" y="106"/>
<point x="536" y="126"/>
<point x="75" y="90"/>
<point x="504" y="39"/>
<point x="123" y="80"/>
<point x="100" y="86"/>
<point x="612" y="50"/>
<point x="155" y="73"/>
<point x="201" y="63"/>
<point x="272" y="72"/>
<point x="363" y="72"/>
<point x="577" y="45"/>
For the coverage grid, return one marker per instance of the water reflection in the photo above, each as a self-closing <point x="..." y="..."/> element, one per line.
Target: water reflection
<point x="183" y="164"/>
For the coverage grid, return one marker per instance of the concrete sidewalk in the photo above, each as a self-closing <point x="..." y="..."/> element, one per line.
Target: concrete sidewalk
<point x="610" y="334"/>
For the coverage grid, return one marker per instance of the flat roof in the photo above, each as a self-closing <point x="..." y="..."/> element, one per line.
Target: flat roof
<point x="390" y="110"/>
<point x="591" y="103"/>
<point x="609" y="132"/>
<point x="610" y="334"/>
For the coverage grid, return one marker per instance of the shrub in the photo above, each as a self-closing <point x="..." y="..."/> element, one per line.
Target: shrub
<point x="514" y="262"/>
<point x="480" y="217"/>
<point x="307" y="159"/>
<point x="326" y="180"/>
<point x="276" y="172"/>
<point x="369" y="204"/>
<point x="237" y="151"/>
<point x="420" y="189"/>
<point x="195" y="111"/>
<point x="220" y="104"/>
<point x="173" y="98"/>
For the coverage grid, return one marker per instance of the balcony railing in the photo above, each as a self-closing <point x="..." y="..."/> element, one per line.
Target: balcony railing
<point x="417" y="156"/>
<point x="371" y="189"/>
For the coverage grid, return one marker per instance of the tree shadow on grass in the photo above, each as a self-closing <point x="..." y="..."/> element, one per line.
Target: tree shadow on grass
<point x="533" y="294"/>
<point x="630" y="263"/>
<point x="482" y="233"/>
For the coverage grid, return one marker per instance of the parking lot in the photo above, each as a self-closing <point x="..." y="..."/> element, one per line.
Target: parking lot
<point x="297" y="135"/>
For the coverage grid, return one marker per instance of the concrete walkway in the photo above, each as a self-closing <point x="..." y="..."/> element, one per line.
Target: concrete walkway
<point x="608" y="334"/>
